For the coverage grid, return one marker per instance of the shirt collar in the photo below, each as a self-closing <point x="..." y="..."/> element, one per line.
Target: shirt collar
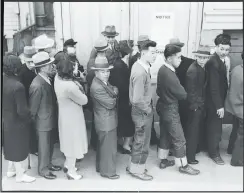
<point x="169" y="66"/>
<point x="144" y="65"/>
<point x="45" y="78"/>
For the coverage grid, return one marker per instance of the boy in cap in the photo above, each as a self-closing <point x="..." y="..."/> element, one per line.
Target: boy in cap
<point x="217" y="86"/>
<point x="196" y="94"/>
<point x="181" y="73"/>
<point x="42" y="102"/>
<point x="26" y="75"/>
<point x="170" y="91"/>
<point x="104" y="97"/>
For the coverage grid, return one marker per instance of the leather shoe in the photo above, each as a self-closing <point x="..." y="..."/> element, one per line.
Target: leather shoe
<point x="143" y="176"/>
<point x="193" y="161"/>
<point x="55" y="168"/>
<point x="189" y="170"/>
<point x="50" y="176"/>
<point x="218" y="160"/>
<point x="166" y="163"/>
<point x="113" y="177"/>
<point x="78" y="160"/>
<point x="239" y="163"/>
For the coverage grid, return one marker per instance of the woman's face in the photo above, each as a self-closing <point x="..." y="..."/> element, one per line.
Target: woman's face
<point x="71" y="50"/>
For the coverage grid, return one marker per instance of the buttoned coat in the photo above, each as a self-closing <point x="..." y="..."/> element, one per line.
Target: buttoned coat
<point x="71" y="121"/>
<point x="104" y="105"/>
<point x="43" y="106"/>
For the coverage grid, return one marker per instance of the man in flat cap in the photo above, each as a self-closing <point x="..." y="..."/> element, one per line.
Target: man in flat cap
<point x="217" y="86"/>
<point x="181" y="73"/>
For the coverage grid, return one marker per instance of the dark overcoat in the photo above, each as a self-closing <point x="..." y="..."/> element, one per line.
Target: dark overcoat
<point x="16" y="120"/>
<point x="120" y="77"/>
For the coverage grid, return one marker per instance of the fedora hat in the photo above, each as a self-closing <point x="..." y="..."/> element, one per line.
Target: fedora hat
<point x="29" y="51"/>
<point x="70" y="42"/>
<point x="110" y="31"/>
<point x="202" y="50"/>
<point x="101" y="44"/>
<point x="101" y="63"/>
<point x="43" y="42"/>
<point x="176" y="41"/>
<point x="142" y="38"/>
<point x="41" y="59"/>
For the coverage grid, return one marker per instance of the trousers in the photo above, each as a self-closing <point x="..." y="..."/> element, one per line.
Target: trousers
<point x="141" y="143"/>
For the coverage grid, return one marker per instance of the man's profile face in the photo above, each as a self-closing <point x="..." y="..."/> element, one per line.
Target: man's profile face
<point x="222" y="50"/>
<point x="150" y="54"/>
<point x="175" y="60"/>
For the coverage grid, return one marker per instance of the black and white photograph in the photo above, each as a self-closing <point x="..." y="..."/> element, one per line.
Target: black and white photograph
<point x="122" y="96"/>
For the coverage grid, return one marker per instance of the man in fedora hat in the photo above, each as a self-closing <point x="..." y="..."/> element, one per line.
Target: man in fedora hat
<point x="42" y="107"/>
<point x="26" y="75"/>
<point x="100" y="46"/>
<point x="44" y="43"/>
<point x="181" y="73"/>
<point x="142" y="110"/>
<point x="196" y="95"/>
<point x="104" y="97"/>
<point x="113" y="50"/>
<point x="217" y="85"/>
<point x="133" y="59"/>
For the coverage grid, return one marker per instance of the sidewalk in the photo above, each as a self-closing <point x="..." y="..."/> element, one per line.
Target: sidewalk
<point x="212" y="177"/>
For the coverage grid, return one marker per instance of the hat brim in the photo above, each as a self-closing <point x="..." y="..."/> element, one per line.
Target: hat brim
<point x="108" y="34"/>
<point x="72" y="44"/>
<point x="180" y="44"/>
<point x="94" y="68"/>
<point x="202" y="53"/>
<point x="44" y="47"/>
<point x="50" y="62"/>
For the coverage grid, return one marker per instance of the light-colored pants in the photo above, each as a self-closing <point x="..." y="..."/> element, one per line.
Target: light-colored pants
<point x="16" y="167"/>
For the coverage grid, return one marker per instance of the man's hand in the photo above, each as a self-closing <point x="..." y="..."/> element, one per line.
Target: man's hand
<point x="221" y="112"/>
<point x="116" y="90"/>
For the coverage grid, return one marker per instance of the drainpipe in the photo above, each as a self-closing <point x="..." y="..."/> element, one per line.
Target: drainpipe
<point x="19" y="27"/>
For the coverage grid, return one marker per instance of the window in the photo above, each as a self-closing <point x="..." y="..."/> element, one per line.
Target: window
<point x="44" y="14"/>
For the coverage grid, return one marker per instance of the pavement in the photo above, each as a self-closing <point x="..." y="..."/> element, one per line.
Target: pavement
<point x="212" y="177"/>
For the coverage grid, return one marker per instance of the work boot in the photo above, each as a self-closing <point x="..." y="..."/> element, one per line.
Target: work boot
<point x="188" y="170"/>
<point x="144" y="176"/>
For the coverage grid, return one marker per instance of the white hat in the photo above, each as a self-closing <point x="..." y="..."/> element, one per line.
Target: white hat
<point x="42" y="59"/>
<point x="43" y="42"/>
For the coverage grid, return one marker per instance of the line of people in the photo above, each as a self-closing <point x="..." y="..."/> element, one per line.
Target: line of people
<point x="48" y="94"/>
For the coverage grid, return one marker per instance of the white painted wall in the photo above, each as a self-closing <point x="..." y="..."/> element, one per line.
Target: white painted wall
<point x="11" y="21"/>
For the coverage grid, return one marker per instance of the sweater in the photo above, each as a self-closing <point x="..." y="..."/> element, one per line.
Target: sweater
<point x="234" y="99"/>
<point x="140" y="89"/>
<point x="169" y="89"/>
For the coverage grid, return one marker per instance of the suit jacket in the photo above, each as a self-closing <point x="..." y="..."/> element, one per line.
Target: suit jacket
<point x="42" y="104"/>
<point x="217" y="84"/>
<point x="196" y="86"/>
<point x="104" y="105"/>
<point x="16" y="115"/>
<point x="182" y="69"/>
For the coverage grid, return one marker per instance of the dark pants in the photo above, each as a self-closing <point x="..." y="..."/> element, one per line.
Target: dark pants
<point x="106" y="152"/>
<point x="183" y="111"/>
<point x="233" y="134"/>
<point x="194" y="128"/>
<point x="141" y="143"/>
<point x="94" y="137"/>
<point x="237" y="155"/>
<point x="33" y="141"/>
<point x="214" y="131"/>
<point x="45" y="151"/>
<point x="171" y="131"/>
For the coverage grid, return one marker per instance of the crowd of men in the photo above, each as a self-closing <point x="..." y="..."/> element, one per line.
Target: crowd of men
<point x="44" y="98"/>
